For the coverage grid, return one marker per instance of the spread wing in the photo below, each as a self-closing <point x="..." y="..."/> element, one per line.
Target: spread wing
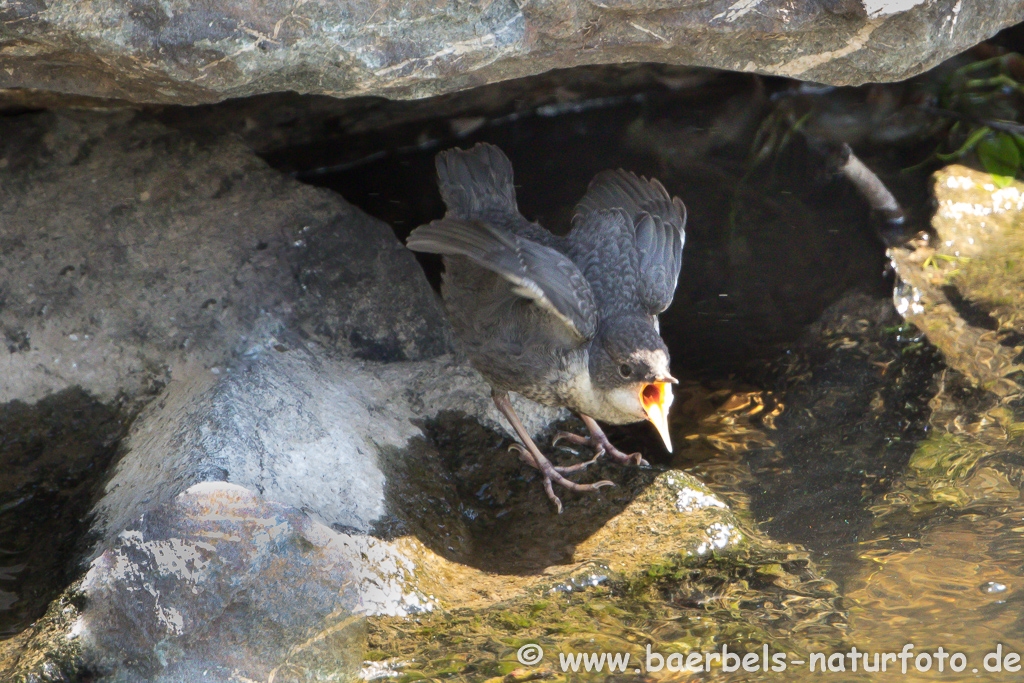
<point x="658" y="224"/>
<point x="539" y="273"/>
<point x="603" y="245"/>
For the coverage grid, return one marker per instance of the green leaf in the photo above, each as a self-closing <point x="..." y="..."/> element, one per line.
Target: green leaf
<point x="972" y="140"/>
<point x="1019" y="139"/>
<point x="1000" y="155"/>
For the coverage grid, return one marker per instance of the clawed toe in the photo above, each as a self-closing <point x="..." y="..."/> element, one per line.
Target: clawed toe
<point x="602" y="446"/>
<point x="569" y="469"/>
<point x="583" y="488"/>
<point x="571" y="438"/>
<point x="524" y="454"/>
<point x="623" y="459"/>
<point x="552" y="474"/>
<point x="634" y="459"/>
<point x="528" y="458"/>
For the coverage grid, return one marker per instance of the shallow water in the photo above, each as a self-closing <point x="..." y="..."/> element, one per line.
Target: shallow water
<point x="912" y="531"/>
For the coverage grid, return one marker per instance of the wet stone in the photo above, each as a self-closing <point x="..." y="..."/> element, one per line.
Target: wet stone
<point x="992" y="587"/>
<point x="515" y="543"/>
<point x="672" y="569"/>
<point x="221" y="583"/>
<point x="964" y="287"/>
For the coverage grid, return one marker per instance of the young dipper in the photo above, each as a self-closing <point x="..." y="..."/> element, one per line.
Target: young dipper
<point x="565" y="321"/>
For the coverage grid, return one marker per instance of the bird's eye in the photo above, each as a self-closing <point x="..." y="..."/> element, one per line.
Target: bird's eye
<point x="625" y="370"/>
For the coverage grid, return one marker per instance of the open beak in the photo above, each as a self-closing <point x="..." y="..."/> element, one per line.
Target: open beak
<point x="656" y="399"/>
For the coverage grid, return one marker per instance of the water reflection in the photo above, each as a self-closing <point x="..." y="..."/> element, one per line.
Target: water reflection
<point x="946" y="564"/>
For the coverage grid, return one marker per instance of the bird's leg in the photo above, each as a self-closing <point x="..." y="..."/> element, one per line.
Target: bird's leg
<point x="598" y="440"/>
<point x="530" y="454"/>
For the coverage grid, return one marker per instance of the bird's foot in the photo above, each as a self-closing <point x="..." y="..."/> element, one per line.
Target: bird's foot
<point x="600" y="443"/>
<point x="569" y="469"/>
<point x="554" y="474"/>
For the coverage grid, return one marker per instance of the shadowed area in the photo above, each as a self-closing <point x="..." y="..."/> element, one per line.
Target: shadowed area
<point x="54" y="456"/>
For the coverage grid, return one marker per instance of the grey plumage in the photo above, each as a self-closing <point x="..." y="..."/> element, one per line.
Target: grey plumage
<point x="558" y="320"/>
<point x="617" y="201"/>
<point x="542" y="274"/>
<point x="477" y="185"/>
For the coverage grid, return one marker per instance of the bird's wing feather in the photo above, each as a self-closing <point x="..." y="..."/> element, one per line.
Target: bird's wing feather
<point x="603" y="245"/>
<point x="539" y="273"/>
<point x="659" y="223"/>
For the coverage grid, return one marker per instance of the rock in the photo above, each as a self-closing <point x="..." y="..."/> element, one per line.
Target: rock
<point x="964" y="287"/>
<point x="149" y="51"/>
<point x="192" y="572"/>
<point x="131" y="252"/>
<point x="187" y="563"/>
<point x="672" y="566"/>
<point x="220" y="583"/>
<point x="649" y="517"/>
<point x="337" y="439"/>
<point x="138" y="260"/>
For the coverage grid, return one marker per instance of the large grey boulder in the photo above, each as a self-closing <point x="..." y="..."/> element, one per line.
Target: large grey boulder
<point x="341" y="440"/>
<point x="178" y="52"/>
<point x="130" y="253"/>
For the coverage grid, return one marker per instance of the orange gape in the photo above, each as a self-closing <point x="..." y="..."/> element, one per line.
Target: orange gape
<point x="650" y="395"/>
<point x="656" y="399"/>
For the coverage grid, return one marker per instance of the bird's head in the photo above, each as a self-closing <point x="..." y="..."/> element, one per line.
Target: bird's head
<point x="629" y="366"/>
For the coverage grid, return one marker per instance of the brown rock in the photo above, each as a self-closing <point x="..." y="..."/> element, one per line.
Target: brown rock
<point x="176" y="52"/>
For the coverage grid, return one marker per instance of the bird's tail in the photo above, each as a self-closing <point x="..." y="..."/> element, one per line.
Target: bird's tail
<point x="476" y="183"/>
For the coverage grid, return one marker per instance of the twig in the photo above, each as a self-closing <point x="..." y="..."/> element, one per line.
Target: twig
<point x="870" y="186"/>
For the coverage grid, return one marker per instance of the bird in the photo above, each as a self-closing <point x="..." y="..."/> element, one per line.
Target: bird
<point x="567" y="321"/>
